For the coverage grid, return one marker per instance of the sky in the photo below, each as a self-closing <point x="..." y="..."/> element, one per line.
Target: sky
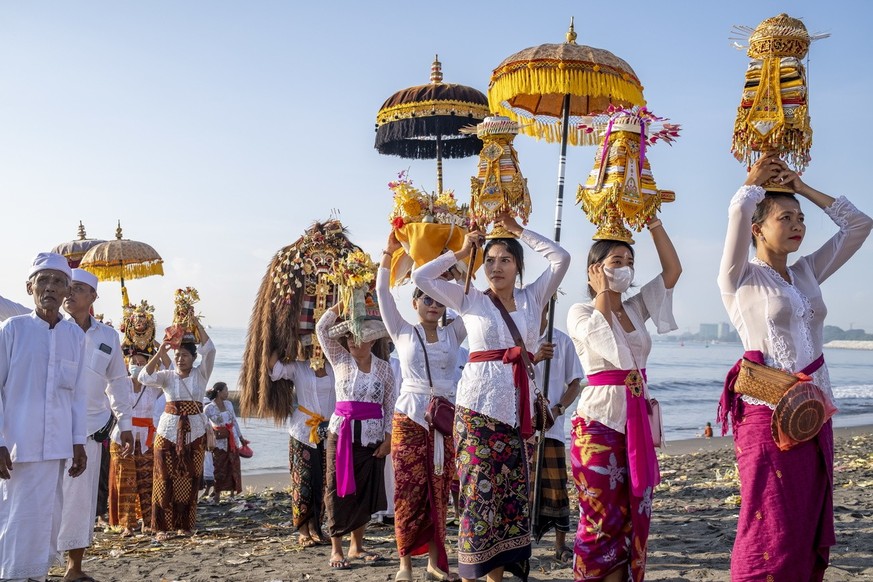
<point x="218" y="131"/>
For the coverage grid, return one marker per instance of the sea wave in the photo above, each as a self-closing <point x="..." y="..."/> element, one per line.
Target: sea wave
<point x="864" y="391"/>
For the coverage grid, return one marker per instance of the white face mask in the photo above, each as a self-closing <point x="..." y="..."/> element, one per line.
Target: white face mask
<point x="619" y="279"/>
<point x="134" y="370"/>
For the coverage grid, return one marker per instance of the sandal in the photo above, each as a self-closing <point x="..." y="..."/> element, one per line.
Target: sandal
<point x="307" y="541"/>
<point x="564" y="555"/>
<point x="368" y="557"/>
<point x="403" y="576"/>
<point x="342" y="564"/>
<point x="439" y="575"/>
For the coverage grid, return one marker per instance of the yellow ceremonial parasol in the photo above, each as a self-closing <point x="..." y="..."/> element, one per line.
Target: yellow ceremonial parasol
<point x="544" y="88"/>
<point x="75" y="249"/>
<point x="120" y="259"/>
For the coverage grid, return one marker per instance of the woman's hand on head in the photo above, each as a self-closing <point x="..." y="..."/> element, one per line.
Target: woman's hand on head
<point x="473" y="240"/>
<point x="508" y="221"/>
<point x="597" y="278"/>
<point x="767" y="168"/>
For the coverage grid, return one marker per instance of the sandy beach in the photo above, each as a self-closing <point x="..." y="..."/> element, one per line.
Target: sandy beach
<point x="694" y="518"/>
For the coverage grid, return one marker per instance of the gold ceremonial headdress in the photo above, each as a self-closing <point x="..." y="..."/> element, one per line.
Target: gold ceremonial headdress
<point x="773" y="114"/>
<point x="184" y="326"/>
<point x="621" y="189"/>
<point x="499" y="185"/>
<point x="138" y="327"/>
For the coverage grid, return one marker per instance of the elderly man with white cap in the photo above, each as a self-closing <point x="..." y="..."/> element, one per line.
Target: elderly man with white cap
<point x="43" y="421"/>
<point x="107" y="389"/>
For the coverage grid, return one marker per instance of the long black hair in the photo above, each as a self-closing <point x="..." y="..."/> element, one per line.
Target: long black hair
<point x="514" y="248"/>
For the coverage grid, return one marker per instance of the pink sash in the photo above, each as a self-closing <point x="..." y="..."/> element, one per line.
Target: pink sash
<point x="641" y="459"/>
<point x="350" y="410"/>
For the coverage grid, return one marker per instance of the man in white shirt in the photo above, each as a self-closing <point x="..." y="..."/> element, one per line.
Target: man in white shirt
<point x="565" y="382"/>
<point x="42" y="421"/>
<point x="108" y="390"/>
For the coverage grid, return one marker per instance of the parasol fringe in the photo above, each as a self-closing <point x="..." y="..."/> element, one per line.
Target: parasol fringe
<point x="114" y="272"/>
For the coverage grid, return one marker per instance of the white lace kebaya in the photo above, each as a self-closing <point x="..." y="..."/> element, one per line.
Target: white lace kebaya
<point x="784" y="319"/>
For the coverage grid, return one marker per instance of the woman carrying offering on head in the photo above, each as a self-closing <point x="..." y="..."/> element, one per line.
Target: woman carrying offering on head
<point x="228" y="440"/>
<point x="494" y="402"/>
<point x="359" y="436"/>
<point x="423" y="458"/>
<point x="180" y="442"/>
<point x="786" y="522"/>
<point x="307" y="429"/>
<point x="612" y="452"/>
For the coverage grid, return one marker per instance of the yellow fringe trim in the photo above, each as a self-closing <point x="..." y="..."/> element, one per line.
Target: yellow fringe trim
<point x="431" y="109"/>
<point x="115" y="272"/>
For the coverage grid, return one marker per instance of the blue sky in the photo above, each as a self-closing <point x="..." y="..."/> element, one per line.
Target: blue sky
<point x="217" y="131"/>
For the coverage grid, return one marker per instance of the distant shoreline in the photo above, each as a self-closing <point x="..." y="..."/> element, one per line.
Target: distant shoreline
<point x="850" y="344"/>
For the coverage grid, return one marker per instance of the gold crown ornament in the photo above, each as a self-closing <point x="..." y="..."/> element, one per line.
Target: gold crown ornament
<point x="138" y="327"/>
<point x="185" y="321"/>
<point x="620" y="191"/>
<point x="499" y="185"/>
<point x="773" y="114"/>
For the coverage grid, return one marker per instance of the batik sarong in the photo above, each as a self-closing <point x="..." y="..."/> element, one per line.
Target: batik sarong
<point x="554" y="507"/>
<point x="307" y="481"/>
<point x="613" y="523"/>
<point x="130" y="487"/>
<point x="226" y="467"/>
<point x="421" y="498"/>
<point x="176" y="480"/>
<point x="786" y="523"/>
<point x="348" y="513"/>
<point x="492" y="468"/>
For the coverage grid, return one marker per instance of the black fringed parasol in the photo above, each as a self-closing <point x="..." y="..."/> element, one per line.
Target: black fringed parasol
<point x="424" y="122"/>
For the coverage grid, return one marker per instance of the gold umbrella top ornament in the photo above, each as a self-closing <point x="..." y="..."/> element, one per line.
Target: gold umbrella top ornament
<point x="120" y="259"/>
<point x="499" y="185"/>
<point x="621" y="189"/>
<point x="534" y="86"/>
<point x="773" y="114"/>
<point x="75" y="249"/>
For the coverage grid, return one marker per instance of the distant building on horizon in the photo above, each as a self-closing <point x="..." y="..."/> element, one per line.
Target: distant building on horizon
<point x="708" y="331"/>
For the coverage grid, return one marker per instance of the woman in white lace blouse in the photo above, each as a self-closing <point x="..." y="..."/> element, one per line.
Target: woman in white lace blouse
<point x="359" y="436"/>
<point x="423" y="460"/>
<point x="493" y="416"/>
<point x="228" y="440"/>
<point x="612" y="451"/>
<point x="786" y="526"/>
<point x="180" y="442"/>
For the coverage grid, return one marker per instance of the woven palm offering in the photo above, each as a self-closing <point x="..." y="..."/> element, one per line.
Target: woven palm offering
<point x="620" y="192"/>
<point x="773" y="114"/>
<point x="426" y="225"/>
<point x="763" y="382"/>
<point x="499" y="185"/>
<point x="295" y="291"/>
<point x="799" y="415"/>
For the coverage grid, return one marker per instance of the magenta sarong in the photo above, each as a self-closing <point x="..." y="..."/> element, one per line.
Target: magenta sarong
<point x="345" y="467"/>
<point x="641" y="459"/>
<point x="614" y="523"/>
<point x="786" y="523"/>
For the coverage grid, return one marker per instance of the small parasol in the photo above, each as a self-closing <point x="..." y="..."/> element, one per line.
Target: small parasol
<point x="120" y="259"/>
<point x="424" y="122"/>
<point x="75" y="249"/>
<point x="544" y="88"/>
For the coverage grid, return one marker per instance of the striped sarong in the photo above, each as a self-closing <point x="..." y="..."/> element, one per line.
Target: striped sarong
<point x="130" y="486"/>
<point x="554" y="505"/>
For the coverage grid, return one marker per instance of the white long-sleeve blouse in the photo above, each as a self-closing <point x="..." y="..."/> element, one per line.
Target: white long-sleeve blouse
<point x="351" y="384"/>
<point x="784" y="320"/>
<point x="442" y="355"/>
<point x="313" y="393"/>
<point x="488" y="387"/>
<point x="177" y="389"/>
<point x="601" y="346"/>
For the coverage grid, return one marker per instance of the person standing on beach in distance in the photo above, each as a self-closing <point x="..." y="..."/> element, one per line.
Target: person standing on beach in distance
<point x="612" y="451"/>
<point x="180" y="442"/>
<point x="43" y="421"/>
<point x="779" y="313"/>
<point x="427" y="355"/>
<point x="707" y="432"/>
<point x="307" y="430"/>
<point x="565" y="378"/>
<point x="494" y="403"/>
<point x="228" y="440"/>
<point x="107" y="387"/>
<point x="359" y="436"/>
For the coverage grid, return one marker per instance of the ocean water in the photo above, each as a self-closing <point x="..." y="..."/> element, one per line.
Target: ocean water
<point x="686" y="379"/>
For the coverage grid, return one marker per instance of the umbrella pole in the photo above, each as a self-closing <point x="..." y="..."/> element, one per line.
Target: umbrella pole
<point x="439" y="160"/>
<point x="559" y="208"/>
